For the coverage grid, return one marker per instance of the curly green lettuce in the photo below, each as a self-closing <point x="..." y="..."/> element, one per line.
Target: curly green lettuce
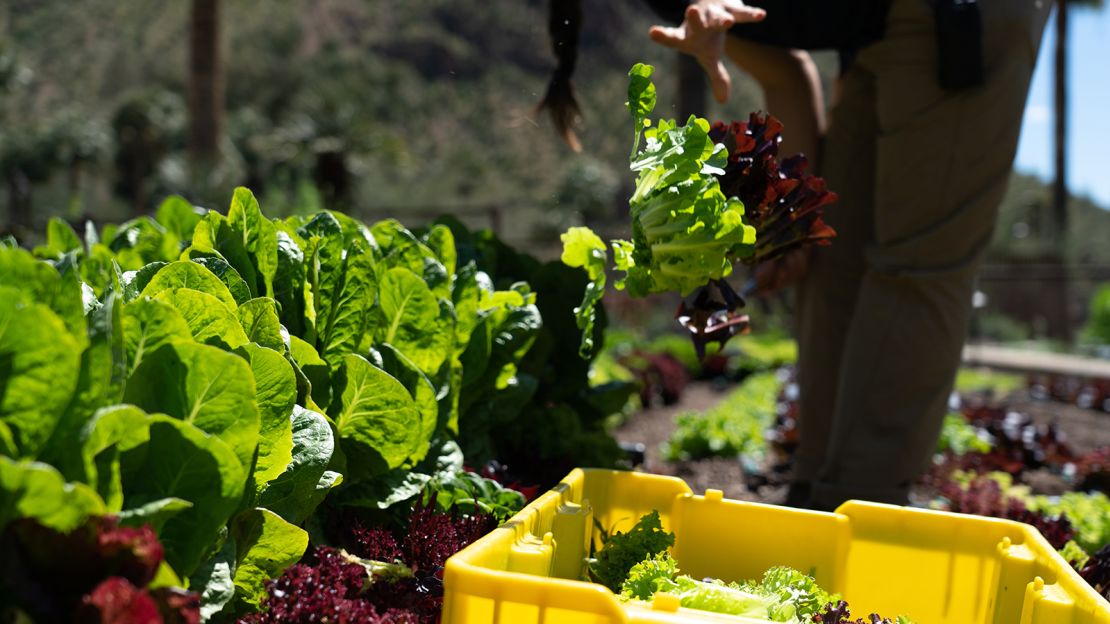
<point x="685" y="232"/>
<point x="622" y="551"/>
<point x="783" y="595"/>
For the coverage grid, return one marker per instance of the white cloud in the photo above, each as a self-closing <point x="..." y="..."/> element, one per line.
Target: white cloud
<point x="1037" y="114"/>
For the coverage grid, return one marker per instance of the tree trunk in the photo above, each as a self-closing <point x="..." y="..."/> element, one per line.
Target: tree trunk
<point x="19" y="203"/>
<point x="691" y="88"/>
<point x="1060" y="184"/>
<point x="206" y="89"/>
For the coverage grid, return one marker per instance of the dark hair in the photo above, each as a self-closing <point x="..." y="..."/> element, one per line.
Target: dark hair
<point x="564" y="21"/>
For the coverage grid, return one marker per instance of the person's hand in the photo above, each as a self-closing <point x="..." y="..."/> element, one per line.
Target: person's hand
<point x="786" y="270"/>
<point x="702" y="36"/>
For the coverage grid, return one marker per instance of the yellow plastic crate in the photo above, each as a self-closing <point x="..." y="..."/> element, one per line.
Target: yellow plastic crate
<point x="935" y="567"/>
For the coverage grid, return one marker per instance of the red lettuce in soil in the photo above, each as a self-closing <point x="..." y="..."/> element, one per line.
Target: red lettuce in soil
<point x="117" y="601"/>
<point x="1097" y="571"/>
<point x="1092" y="470"/>
<point x="96" y="573"/>
<point x="984" y="497"/>
<point x="1017" y="444"/>
<point x="325" y="587"/>
<point x="328" y="586"/>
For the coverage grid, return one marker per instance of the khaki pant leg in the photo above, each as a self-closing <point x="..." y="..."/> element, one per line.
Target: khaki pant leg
<point x="826" y="298"/>
<point x="943" y="161"/>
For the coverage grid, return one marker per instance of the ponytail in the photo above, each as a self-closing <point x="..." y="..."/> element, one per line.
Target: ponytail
<point x="563" y="24"/>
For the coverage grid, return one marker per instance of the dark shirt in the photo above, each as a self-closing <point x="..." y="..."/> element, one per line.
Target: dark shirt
<point x="842" y="25"/>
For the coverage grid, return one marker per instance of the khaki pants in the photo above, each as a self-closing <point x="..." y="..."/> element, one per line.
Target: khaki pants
<point x="884" y="311"/>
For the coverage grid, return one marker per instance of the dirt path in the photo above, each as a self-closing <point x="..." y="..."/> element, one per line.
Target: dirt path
<point x="651" y="427"/>
<point x="1086" y="430"/>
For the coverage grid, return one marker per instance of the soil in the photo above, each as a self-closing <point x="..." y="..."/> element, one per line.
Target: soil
<point x="1085" y="429"/>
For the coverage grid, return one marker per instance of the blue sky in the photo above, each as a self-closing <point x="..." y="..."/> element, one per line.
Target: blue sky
<point x="1089" y="107"/>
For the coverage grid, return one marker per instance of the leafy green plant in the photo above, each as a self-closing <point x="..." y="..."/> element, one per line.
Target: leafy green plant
<point x="684" y="230"/>
<point x="620" y="552"/>
<point x="1098" y="316"/>
<point x="782" y="595"/>
<point x="235" y="381"/>
<point x="993" y="382"/>
<point x="1088" y="512"/>
<point x="705" y="198"/>
<point x="736" y="426"/>
<point x="960" y="437"/>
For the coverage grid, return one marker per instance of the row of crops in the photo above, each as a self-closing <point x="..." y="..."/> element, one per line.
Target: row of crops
<point x="192" y="402"/>
<point x="992" y="459"/>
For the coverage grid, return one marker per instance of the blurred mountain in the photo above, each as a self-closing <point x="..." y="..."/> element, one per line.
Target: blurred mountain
<point x="403" y="104"/>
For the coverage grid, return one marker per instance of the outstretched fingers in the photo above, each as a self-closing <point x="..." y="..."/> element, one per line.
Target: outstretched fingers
<point x="668" y="36"/>
<point x="743" y="13"/>
<point x="719" y="79"/>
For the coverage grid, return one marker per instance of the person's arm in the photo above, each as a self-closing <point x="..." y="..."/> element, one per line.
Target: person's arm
<point x="792" y="89"/>
<point x="788" y="77"/>
<point x="702" y="36"/>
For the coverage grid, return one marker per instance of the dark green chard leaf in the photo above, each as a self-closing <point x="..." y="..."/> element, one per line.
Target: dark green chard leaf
<point x="315" y="370"/>
<point x="60" y="240"/>
<point x="276" y="393"/>
<point x="227" y="274"/>
<point x="409" y="310"/>
<point x="471" y="493"/>
<point x="100" y="382"/>
<point x="155" y="513"/>
<point x="259" y="321"/>
<point x="265" y="545"/>
<point x="209" y="320"/>
<point x="215" y="235"/>
<point x="141" y="241"/>
<point x="377" y="420"/>
<point x="417" y="383"/>
<point x="449" y="383"/>
<point x="464" y="296"/>
<point x="178" y="217"/>
<point x="98" y="268"/>
<point x="440" y="240"/>
<point x="475" y="358"/>
<point x="258" y="236"/>
<point x="344" y="312"/>
<point x="354" y="231"/>
<point x="41" y="362"/>
<point x="181" y="461"/>
<point x="111" y="431"/>
<point x="149" y="324"/>
<point x="186" y="274"/>
<point x="133" y="282"/>
<point x="34" y="490"/>
<point x="296" y="492"/>
<point x="289" y="281"/>
<point x="42" y="284"/>
<point x="204" y="386"/>
<point x="323" y="261"/>
<point x="443" y="460"/>
<point x="213" y="580"/>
